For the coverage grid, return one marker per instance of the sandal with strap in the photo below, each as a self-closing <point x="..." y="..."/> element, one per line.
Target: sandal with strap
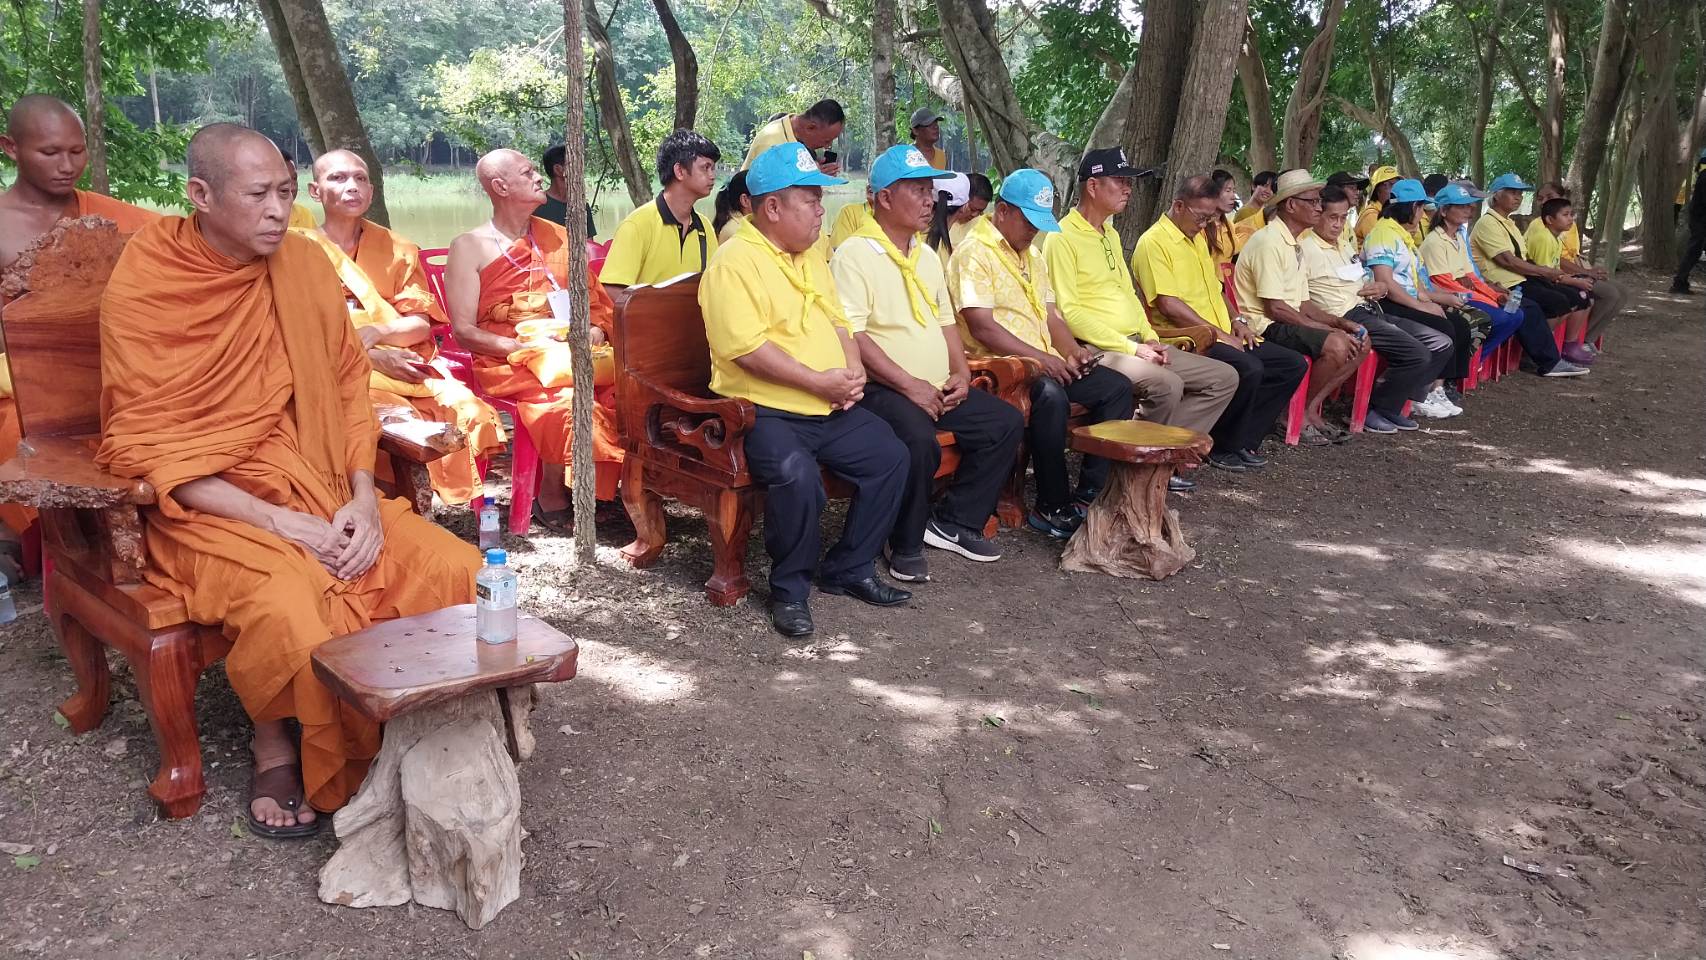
<point x="283" y="786"/>
<point x="560" y="522"/>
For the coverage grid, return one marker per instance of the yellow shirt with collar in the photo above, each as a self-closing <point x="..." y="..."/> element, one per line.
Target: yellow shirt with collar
<point x="936" y="155"/>
<point x="747" y="301"/>
<point x="1168" y="264"/>
<point x="1572" y="240"/>
<point x="1444" y="255"/>
<point x="1494" y="234"/>
<point x="1271" y="267"/>
<point x="650" y="247"/>
<point x="985" y="272"/>
<point x="848" y="221"/>
<point x="1334" y="278"/>
<point x="877" y="302"/>
<point x="1544" y="247"/>
<point x="1366" y="220"/>
<point x="1092" y="286"/>
<point x="779" y="130"/>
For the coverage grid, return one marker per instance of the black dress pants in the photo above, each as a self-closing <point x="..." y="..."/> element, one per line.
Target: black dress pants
<point x="1107" y="396"/>
<point x="1267" y="377"/>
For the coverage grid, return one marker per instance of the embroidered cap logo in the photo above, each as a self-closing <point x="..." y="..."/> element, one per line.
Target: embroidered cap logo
<point x="803" y="161"/>
<point x="915" y="159"/>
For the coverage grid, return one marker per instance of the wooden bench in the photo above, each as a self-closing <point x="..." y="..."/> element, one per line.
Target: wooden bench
<point x="685" y="443"/>
<point x="437" y="821"/>
<point x="1129" y="532"/>
<point x="92" y="522"/>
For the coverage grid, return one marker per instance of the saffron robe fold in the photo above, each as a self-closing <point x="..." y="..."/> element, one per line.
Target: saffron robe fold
<point x="513" y="288"/>
<point x="252" y="372"/>
<point x="383" y="282"/>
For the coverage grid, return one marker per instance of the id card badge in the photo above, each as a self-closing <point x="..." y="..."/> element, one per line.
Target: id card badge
<point x="1350" y="272"/>
<point x="561" y="307"/>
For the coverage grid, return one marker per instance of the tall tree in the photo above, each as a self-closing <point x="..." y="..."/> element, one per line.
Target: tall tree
<point x="1258" y="101"/>
<point x="1168" y="26"/>
<point x="883" y="18"/>
<point x="1662" y="164"/>
<point x="1206" y="90"/>
<point x="612" y="115"/>
<point x="1551" y="119"/>
<point x="325" y="102"/>
<point x="968" y="32"/>
<point x="94" y="103"/>
<point x="686" y="67"/>
<point x="1613" y="60"/>
<point x="1308" y="98"/>
<point x="580" y="340"/>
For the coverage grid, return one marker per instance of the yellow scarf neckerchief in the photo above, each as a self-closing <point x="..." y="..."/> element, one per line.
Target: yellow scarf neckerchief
<point x="985" y="233"/>
<point x="799" y="278"/>
<point x="374" y="308"/>
<point x="918" y="296"/>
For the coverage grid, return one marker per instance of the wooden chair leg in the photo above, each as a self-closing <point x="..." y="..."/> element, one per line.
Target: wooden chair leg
<point x="645" y="510"/>
<point x="166" y="681"/>
<point x="729" y="521"/>
<point x="86" y="708"/>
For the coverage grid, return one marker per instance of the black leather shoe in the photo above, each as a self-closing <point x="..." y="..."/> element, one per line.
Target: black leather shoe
<point x="870" y="590"/>
<point x="1252" y="459"/>
<point x="1178" y="484"/>
<point x="792" y="619"/>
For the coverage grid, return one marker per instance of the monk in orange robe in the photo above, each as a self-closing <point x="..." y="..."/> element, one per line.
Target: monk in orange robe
<point x="234" y="383"/>
<point x="44" y="138"/>
<point x="394" y="310"/>
<point x="497" y="281"/>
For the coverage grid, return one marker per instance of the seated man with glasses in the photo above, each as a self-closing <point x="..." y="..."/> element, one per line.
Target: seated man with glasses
<point x="1273" y="291"/>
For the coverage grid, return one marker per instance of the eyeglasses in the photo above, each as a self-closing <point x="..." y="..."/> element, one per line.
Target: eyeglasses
<point x="1314" y="201"/>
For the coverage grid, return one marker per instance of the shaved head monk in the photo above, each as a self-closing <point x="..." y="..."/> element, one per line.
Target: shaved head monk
<point x="44" y="137"/>
<point x="496" y="282"/>
<point x="234" y="383"/>
<point x="393" y="309"/>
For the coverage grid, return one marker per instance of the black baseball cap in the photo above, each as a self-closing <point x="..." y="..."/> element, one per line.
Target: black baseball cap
<point x="1343" y="179"/>
<point x="1109" y="162"/>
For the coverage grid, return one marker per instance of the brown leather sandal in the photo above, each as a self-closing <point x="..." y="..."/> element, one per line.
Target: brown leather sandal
<point x="283" y="786"/>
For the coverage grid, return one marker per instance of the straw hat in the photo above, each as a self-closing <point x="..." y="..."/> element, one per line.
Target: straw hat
<point x="1293" y="182"/>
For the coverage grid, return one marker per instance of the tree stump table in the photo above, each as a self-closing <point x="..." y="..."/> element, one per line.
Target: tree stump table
<point x="438" y="819"/>
<point x="1129" y="531"/>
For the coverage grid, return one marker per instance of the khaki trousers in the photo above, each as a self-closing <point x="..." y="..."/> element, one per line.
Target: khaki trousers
<point x="1191" y="391"/>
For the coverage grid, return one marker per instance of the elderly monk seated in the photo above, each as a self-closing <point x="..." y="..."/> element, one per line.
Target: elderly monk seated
<point x="249" y="414"/>
<point x="385" y="289"/>
<point x="44" y="138"/>
<point x="499" y="276"/>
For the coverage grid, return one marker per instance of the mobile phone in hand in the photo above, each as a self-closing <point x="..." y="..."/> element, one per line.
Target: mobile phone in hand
<point x="830" y="156"/>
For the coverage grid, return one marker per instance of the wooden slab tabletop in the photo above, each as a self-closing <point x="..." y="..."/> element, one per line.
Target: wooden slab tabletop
<point x="1139" y="441"/>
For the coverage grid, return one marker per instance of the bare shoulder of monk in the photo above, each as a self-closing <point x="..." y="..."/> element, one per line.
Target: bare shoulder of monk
<point x="482" y="245"/>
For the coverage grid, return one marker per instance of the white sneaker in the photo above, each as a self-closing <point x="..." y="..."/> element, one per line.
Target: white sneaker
<point x="1431" y="410"/>
<point x="1438" y="399"/>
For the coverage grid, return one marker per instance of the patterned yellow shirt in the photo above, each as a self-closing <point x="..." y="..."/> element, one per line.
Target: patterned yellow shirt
<point x="986" y="272"/>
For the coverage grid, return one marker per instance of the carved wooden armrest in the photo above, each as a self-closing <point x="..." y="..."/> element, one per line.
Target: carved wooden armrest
<point x="711" y="429"/>
<point x="420" y="441"/>
<point x="60" y="472"/>
<point x="1006" y="377"/>
<point x="1196" y="339"/>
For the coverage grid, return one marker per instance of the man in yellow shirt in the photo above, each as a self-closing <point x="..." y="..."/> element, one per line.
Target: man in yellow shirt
<point x="817" y="128"/>
<point x="1261" y="191"/>
<point x="927" y="136"/>
<point x="1093" y="288"/>
<point x="667" y="237"/>
<point x="779" y="339"/>
<point x="1501" y="251"/>
<point x="1608" y="295"/>
<point x="1379" y="187"/>
<point x="849" y="220"/>
<point x="1273" y="291"/>
<point x="999" y="283"/>
<point x="1178" y="276"/>
<point x="896" y="300"/>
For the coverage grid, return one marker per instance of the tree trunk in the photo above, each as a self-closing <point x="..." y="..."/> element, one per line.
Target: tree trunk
<point x="1303" y="108"/>
<point x="154" y="87"/>
<point x="1620" y="179"/>
<point x="580" y="341"/>
<point x="1259" y="100"/>
<point x="882" y="74"/>
<point x="1206" y="90"/>
<point x="1403" y="155"/>
<point x="1167" y="29"/>
<point x="1612" y="63"/>
<point x="292" y="70"/>
<point x="1661" y="170"/>
<point x="686" y="67"/>
<point x="968" y="32"/>
<point x="1552" y="118"/>
<point x="94" y="103"/>
<point x="1484" y="55"/>
<point x="327" y="88"/>
<point x="612" y="116"/>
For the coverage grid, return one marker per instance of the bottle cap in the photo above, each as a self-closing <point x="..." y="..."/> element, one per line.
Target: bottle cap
<point x="496" y="557"/>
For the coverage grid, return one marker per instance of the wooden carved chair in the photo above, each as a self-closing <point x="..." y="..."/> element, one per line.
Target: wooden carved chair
<point x="685" y="443"/>
<point x="93" y="522"/>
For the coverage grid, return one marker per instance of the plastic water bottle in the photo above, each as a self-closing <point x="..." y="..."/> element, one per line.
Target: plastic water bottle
<point x="491" y="536"/>
<point x="8" y="609"/>
<point x="494" y="603"/>
<point x="1515" y="301"/>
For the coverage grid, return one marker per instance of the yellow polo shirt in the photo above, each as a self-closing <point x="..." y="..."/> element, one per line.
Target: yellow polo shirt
<point x="650" y="247"/>
<point x="301" y="218"/>
<point x="1169" y="265"/>
<point x="850" y="220"/>
<point x="986" y="272"/>
<point x="748" y="299"/>
<point x="1334" y="278"/>
<point x="1092" y="286"/>
<point x="936" y="155"/>
<point x="1572" y="240"/>
<point x="1444" y="255"/>
<point x="1544" y="247"/>
<point x="1245" y="227"/>
<point x="1271" y="267"/>
<point x="1366" y="220"/>
<point x="1494" y="234"/>
<point x="779" y="130"/>
<point x="878" y="303"/>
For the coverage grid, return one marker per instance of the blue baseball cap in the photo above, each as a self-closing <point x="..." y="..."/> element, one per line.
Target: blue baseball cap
<point x="1408" y="190"/>
<point x="1031" y="191"/>
<point x="1508" y="181"/>
<point x="902" y="162"/>
<point x="1452" y="195"/>
<point x="786" y="165"/>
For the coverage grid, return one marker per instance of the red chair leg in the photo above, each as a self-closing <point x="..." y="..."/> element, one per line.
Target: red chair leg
<point x="1299" y="401"/>
<point x="1365" y="375"/>
<point x="523" y="481"/>
<point x="1599" y="342"/>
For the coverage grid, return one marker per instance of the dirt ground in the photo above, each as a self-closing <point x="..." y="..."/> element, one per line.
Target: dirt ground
<point x="1393" y="664"/>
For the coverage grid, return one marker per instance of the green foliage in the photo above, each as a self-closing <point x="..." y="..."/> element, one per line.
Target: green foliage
<point x="41" y="52"/>
<point x="1073" y="71"/>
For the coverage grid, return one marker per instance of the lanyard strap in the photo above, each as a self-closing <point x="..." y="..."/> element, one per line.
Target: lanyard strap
<point x="535" y="253"/>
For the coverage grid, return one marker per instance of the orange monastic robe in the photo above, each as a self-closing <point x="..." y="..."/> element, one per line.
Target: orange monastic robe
<point x="512" y="290"/>
<point x="251" y="372"/>
<point x="385" y="281"/>
<point x="130" y="218"/>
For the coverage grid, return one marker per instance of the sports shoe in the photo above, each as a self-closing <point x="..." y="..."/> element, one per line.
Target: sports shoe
<point x="1452" y="393"/>
<point x="1578" y="354"/>
<point x="1377" y="422"/>
<point x="971" y="544"/>
<point x="909" y="568"/>
<point x="1565" y="368"/>
<point x="1432" y="410"/>
<point x="1402" y="422"/>
<point x="1059" y="523"/>
<point x="1440" y="398"/>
